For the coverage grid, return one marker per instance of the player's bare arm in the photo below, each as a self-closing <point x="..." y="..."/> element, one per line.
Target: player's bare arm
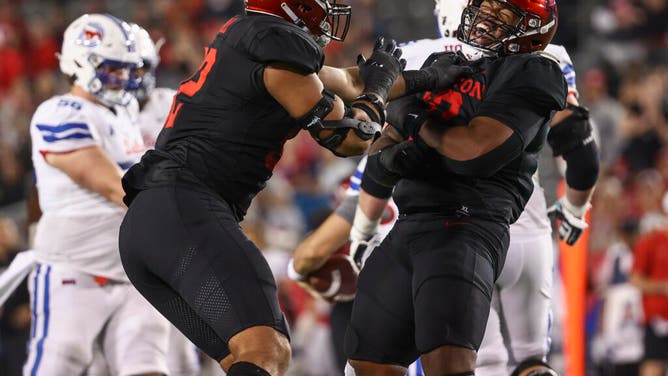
<point x="346" y="83"/>
<point x="299" y="94"/>
<point x="464" y="143"/>
<point x="370" y="206"/>
<point x="91" y="168"/>
<point x="440" y="73"/>
<point x="312" y="253"/>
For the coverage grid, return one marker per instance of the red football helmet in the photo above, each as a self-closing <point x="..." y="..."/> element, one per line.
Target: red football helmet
<point x="324" y="19"/>
<point x="509" y="26"/>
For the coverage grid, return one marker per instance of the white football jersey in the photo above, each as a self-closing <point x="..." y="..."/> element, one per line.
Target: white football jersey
<point x="534" y="217"/>
<point x="152" y="117"/>
<point x="416" y="52"/>
<point x="79" y="228"/>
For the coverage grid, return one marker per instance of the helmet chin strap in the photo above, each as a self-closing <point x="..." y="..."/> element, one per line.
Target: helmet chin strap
<point x="322" y="40"/>
<point x="295" y="19"/>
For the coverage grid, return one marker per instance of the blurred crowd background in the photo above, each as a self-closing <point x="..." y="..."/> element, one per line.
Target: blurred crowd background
<point x="620" y="51"/>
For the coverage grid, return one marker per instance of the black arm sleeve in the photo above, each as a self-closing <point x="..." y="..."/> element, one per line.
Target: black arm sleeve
<point x="346" y="208"/>
<point x="582" y="164"/>
<point x="376" y="178"/>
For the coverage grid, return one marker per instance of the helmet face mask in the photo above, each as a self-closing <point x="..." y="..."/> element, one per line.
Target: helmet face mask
<point x="325" y="20"/>
<point x="99" y="53"/>
<point x="143" y="80"/>
<point x="509" y="26"/>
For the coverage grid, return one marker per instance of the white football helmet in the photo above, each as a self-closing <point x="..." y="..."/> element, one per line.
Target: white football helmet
<point x="142" y="85"/>
<point x="99" y="52"/>
<point x="448" y="16"/>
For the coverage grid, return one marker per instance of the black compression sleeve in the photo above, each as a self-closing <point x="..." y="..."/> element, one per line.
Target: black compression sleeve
<point x="377" y="181"/>
<point x="582" y="166"/>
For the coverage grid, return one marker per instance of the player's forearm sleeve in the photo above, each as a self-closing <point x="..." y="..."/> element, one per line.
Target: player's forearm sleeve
<point x="346" y="209"/>
<point x="372" y="181"/>
<point x="582" y="166"/>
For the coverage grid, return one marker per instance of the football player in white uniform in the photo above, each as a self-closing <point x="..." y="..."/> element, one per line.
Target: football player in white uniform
<point x="154" y="102"/>
<point x="82" y="141"/>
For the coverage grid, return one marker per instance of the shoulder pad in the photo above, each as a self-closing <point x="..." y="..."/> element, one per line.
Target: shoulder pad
<point x="566" y="64"/>
<point x="63" y="109"/>
<point x="548" y="55"/>
<point x="537" y="78"/>
<point x="281" y="42"/>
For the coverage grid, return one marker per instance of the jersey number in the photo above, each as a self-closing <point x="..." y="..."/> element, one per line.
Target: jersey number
<point x="191" y="86"/>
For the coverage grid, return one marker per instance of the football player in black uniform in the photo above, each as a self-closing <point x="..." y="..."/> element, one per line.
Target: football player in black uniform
<point x="462" y="161"/>
<point x="257" y="86"/>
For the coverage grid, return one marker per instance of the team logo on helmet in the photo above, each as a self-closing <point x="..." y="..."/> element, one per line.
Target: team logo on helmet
<point x="91" y="35"/>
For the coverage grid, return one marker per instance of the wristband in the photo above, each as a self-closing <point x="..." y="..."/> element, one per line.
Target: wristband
<point x="417" y="81"/>
<point x="578" y="211"/>
<point x="363" y="227"/>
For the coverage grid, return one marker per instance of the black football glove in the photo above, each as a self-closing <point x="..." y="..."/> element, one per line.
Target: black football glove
<point x="571" y="218"/>
<point x="406" y="115"/>
<point x="382" y="68"/>
<point x="443" y="71"/>
<point x="393" y="162"/>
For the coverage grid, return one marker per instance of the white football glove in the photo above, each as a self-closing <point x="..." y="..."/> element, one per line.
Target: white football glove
<point x="362" y="232"/>
<point x="571" y="218"/>
<point x="292" y="273"/>
<point x="361" y="249"/>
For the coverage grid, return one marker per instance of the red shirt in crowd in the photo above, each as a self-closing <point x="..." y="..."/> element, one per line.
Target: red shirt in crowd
<point x="650" y="260"/>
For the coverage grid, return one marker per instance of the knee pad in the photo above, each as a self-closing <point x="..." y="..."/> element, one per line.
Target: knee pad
<point x="246" y="369"/>
<point x="543" y="369"/>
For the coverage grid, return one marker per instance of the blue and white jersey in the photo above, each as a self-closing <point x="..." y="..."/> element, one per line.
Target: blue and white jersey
<point x="152" y="117"/>
<point x="416" y="52"/>
<point x="566" y="65"/>
<point x="78" y="227"/>
<point x="533" y="219"/>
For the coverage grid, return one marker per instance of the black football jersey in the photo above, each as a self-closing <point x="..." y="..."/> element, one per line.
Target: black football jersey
<point x="225" y="132"/>
<point x="522" y="91"/>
